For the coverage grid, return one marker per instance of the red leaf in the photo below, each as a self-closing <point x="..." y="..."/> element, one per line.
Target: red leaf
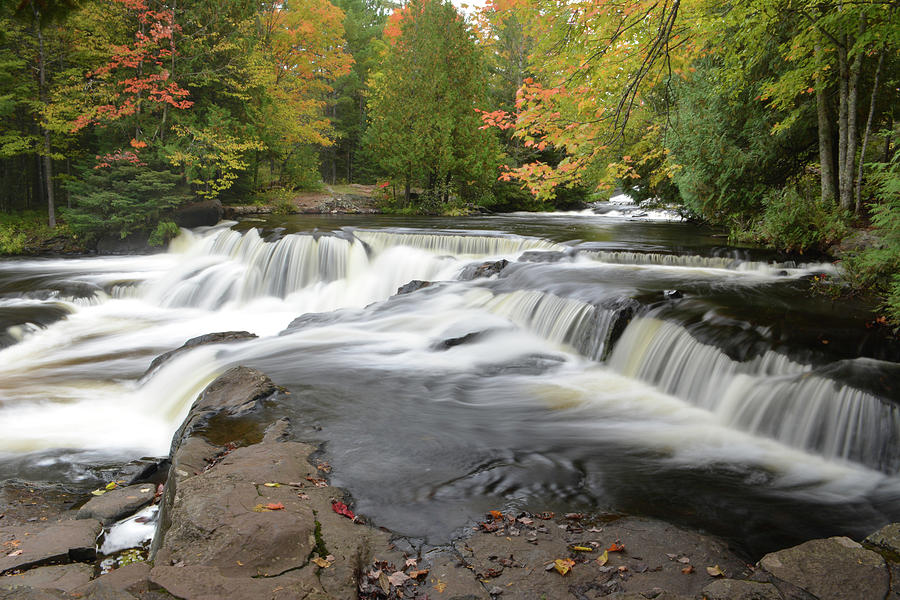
<point x="616" y="547"/>
<point x="341" y="509"/>
<point x="275" y="506"/>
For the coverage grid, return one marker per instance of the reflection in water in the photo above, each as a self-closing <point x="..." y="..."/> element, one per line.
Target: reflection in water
<point x="577" y="378"/>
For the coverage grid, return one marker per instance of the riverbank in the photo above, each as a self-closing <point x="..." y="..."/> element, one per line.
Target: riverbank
<point x="246" y="512"/>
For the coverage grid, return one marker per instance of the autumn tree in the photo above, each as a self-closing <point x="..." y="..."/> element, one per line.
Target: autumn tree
<point x="423" y="127"/>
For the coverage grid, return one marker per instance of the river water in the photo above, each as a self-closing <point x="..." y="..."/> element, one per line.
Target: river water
<point x="620" y="363"/>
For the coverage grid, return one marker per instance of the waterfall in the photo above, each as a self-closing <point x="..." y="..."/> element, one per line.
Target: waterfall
<point x="489" y="244"/>
<point x="694" y="261"/>
<point x="582" y="326"/>
<point x="768" y="395"/>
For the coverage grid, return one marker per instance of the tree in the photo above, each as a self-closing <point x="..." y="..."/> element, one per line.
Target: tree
<point x="423" y="127"/>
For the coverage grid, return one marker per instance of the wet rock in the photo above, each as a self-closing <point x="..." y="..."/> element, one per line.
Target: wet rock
<point x="412" y="286"/>
<point x="67" y="541"/>
<point x="199" y="214"/>
<point x="672" y="294"/>
<point x="831" y="569"/>
<point x="222" y="337"/>
<point x="542" y="256"/>
<point x="733" y="589"/>
<point x="118" y="503"/>
<point x="236" y="392"/>
<point x="485" y="269"/>
<point x="458" y="341"/>
<point x="887" y="539"/>
<point x="59" y="577"/>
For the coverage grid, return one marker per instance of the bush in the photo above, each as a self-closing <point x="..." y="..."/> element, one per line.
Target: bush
<point x="165" y="231"/>
<point x="795" y="219"/>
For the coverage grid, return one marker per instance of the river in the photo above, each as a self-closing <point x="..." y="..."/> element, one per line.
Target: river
<point x="620" y="363"/>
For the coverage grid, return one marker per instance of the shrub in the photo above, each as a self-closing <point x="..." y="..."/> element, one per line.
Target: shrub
<point x="796" y="219"/>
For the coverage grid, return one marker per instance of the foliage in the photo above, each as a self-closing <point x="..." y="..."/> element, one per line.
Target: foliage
<point x="877" y="267"/>
<point x="423" y="129"/>
<point x="122" y="199"/>
<point x="164" y="232"/>
<point x="796" y="219"/>
<point x="28" y="232"/>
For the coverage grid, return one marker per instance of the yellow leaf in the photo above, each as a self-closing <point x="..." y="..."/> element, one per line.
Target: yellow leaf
<point x="272" y="484"/>
<point x="563" y="565"/>
<point x="715" y="571"/>
<point x="440" y="586"/>
<point x="582" y="549"/>
<point x="111" y="485"/>
<point x="98" y="492"/>
<point x="321" y="562"/>
<point x="603" y="558"/>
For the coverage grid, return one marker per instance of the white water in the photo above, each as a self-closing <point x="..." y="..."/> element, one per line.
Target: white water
<point x="75" y="384"/>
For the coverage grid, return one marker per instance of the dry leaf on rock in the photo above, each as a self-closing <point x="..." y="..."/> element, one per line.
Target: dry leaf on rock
<point x="603" y="558"/>
<point x="321" y="562"/>
<point x="715" y="571"/>
<point x="563" y="565"/>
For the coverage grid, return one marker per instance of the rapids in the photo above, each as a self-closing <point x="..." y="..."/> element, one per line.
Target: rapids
<point x="579" y="378"/>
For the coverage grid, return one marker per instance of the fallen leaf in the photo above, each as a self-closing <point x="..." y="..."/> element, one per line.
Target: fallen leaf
<point x="595" y="530"/>
<point x="111" y="485"/>
<point x="489" y="526"/>
<point x="440" y="586"/>
<point x="574" y="516"/>
<point x="15" y="553"/>
<point x="684" y="560"/>
<point x="330" y="558"/>
<point x="398" y="578"/>
<point x="616" y="547"/>
<point x="342" y="509"/>
<point x="324" y="467"/>
<point x="98" y="492"/>
<point x="321" y="562"/>
<point x="688" y="570"/>
<point x="145" y="490"/>
<point x="497" y="514"/>
<point x="275" y="506"/>
<point x="303" y="496"/>
<point x="603" y="558"/>
<point x="418" y="574"/>
<point x="317" y="482"/>
<point x="384" y="583"/>
<point x="272" y="484"/>
<point x="525" y="521"/>
<point x="411" y="562"/>
<point x="622" y="569"/>
<point x="582" y="549"/>
<point x="715" y="571"/>
<point x="546" y="515"/>
<point x="563" y="565"/>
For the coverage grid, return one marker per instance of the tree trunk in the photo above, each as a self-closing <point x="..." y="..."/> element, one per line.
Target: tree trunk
<point x="48" y="162"/>
<point x="826" y="154"/>
<point x="843" y="101"/>
<point x="865" y="141"/>
<point x="852" y="135"/>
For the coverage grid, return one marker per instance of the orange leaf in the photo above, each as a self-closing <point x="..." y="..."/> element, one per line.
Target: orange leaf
<point x="616" y="547"/>
<point x="275" y="506"/>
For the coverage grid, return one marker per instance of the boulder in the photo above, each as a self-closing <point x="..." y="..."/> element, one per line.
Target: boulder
<point x="136" y="243"/>
<point x="221" y="337"/>
<point x="887" y="539"/>
<point x="199" y="214"/>
<point x="412" y="286"/>
<point x="485" y="269"/>
<point x="829" y="569"/>
<point x="237" y="392"/>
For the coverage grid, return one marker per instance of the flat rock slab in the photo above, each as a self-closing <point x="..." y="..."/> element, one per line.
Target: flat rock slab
<point x="118" y="503"/>
<point x="60" y="577"/>
<point x="66" y="541"/>
<point x="515" y="558"/>
<point x="732" y="589"/>
<point x="836" y="568"/>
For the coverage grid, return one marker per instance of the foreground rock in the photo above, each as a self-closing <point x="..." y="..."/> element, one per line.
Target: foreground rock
<point x="221" y="337"/>
<point x="248" y="514"/>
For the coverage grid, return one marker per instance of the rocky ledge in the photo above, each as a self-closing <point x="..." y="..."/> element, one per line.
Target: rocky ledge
<point x="247" y="513"/>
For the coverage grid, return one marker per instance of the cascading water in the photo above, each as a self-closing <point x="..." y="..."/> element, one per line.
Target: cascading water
<point x="567" y="379"/>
